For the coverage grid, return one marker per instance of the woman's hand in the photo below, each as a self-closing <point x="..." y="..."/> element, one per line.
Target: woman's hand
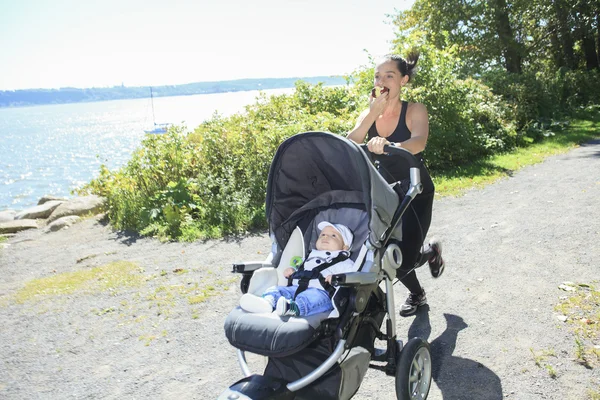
<point x="288" y="272"/>
<point x="377" y="104"/>
<point x="375" y="145"/>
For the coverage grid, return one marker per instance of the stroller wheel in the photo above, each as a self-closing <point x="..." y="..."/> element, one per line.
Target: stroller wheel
<point x="413" y="371"/>
<point x="245" y="283"/>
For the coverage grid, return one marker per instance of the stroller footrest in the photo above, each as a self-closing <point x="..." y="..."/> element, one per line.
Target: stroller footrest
<point x="269" y="334"/>
<point x="379" y="355"/>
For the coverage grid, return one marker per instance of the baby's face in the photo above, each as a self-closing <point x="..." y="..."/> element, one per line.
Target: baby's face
<point x="330" y="239"/>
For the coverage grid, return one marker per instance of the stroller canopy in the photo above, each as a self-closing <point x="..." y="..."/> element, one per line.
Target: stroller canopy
<point x="310" y="164"/>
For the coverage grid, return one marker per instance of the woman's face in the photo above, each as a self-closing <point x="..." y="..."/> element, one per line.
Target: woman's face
<point x="387" y="75"/>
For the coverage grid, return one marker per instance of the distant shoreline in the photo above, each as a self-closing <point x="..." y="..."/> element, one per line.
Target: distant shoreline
<point x="36" y="97"/>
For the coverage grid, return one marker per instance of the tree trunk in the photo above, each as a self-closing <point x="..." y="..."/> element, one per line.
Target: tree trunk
<point x="564" y="32"/>
<point x="510" y="48"/>
<point x="586" y="32"/>
<point x="598" y="31"/>
<point x="589" y="47"/>
<point x="555" y="46"/>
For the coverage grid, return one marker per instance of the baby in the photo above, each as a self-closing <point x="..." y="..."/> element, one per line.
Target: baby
<point x="334" y="241"/>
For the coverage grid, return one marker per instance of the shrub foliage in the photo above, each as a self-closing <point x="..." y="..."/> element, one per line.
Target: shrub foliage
<point x="211" y="182"/>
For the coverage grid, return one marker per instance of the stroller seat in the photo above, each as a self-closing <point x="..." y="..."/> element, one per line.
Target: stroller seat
<point x="269" y="334"/>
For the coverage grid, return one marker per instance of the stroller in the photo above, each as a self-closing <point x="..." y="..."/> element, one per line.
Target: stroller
<point x="314" y="177"/>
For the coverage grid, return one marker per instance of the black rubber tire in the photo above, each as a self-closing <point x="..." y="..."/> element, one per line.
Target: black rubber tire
<point x="413" y="371"/>
<point x="245" y="283"/>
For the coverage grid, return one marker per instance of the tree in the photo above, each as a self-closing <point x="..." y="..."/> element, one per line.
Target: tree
<point x="483" y="32"/>
<point x="511" y="49"/>
<point x="559" y="27"/>
<point x="585" y="32"/>
<point x="514" y="34"/>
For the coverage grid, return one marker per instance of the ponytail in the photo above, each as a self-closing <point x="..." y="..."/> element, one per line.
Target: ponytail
<point x="406" y="66"/>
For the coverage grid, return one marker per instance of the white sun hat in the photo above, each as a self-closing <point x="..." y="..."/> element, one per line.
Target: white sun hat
<point x="346" y="233"/>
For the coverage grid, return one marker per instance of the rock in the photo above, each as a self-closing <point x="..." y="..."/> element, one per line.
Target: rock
<point x="47" y="198"/>
<point x="567" y="287"/>
<point x="18" y="225"/>
<point x="78" y="206"/>
<point x="7" y="215"/>
<point x="62" y="223"/>
<point x="41" y="211"/>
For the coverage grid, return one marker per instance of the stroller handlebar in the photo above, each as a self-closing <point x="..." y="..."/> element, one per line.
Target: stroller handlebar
<point x="412" y="161"/>
<point x="400" y="151"/>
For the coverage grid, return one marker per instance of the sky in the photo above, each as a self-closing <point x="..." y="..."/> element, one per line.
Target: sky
<point x="88" y="43"/>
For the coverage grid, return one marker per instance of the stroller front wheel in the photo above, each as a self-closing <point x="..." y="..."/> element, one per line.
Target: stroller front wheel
<point x="245" y="283"/>
<point x="413" y="371"/>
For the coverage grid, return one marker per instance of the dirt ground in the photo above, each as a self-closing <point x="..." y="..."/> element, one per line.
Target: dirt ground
<point x="158" y="333"/>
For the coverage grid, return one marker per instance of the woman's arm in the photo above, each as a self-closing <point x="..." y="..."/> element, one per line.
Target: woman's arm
<point x="363" y="123"/>
<point x="368" y="118"/>
<point x="417" y="122"/>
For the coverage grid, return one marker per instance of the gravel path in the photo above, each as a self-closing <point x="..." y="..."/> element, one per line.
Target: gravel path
<point x="507" y="247"/>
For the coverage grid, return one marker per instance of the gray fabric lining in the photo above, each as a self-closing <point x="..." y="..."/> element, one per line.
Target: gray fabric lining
<point x="356" y="220"/>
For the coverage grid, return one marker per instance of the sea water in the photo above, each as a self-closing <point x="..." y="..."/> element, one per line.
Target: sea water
<point x="54" y="149"/>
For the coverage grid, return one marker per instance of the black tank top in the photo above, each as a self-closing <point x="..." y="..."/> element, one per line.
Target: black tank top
<point x="395" y="168"/>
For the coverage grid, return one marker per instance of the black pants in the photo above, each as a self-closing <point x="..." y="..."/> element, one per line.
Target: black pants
<point x="415" y="225"/>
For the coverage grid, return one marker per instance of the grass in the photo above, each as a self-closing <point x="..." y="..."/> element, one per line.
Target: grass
<point x="479" y="174"/>
<point x="108" y="277"/>
<point x="159" y="294"/>
<point x="2" y="240"/>
<point x="138" y="303"/>
<point x="541" y="358"/>
<point x="582" y="309"/>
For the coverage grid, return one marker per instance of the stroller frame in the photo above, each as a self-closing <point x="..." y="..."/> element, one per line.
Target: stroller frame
<point x="410" y="363"/>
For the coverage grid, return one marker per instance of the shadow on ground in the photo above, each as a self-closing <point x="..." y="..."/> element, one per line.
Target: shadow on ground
<point x="129" y="238"/>
<point x="592" y="143"/>
<point x="456" y="377"/>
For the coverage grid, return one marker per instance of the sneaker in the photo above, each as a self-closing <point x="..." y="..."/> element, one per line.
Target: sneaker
<point x="413" y="301"/>
<point x="287" y="307"/>
<point x="436" y="262"/>
<point x="254" y="304"/>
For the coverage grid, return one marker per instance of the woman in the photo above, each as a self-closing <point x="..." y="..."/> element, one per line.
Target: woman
<point x="390" y="121"/>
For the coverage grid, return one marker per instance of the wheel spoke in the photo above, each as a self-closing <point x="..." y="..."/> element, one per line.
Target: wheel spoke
<point x="413" y="378"/>
<point x="415" y="365"/>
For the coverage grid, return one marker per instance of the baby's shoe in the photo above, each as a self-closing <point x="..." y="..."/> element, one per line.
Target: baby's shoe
<point x="287" y="307"/>
<point x="254" y="304"/>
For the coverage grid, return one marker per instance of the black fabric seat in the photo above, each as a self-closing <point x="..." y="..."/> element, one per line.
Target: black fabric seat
<point x="270" y="334"/>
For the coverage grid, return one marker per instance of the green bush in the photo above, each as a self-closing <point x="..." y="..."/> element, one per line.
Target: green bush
<point x="538" y="99"/>
<point x="212" y="182"/>
<point x="466" y="120"/>
<point x="578" y="88"/>
<point x="532" y="100"/>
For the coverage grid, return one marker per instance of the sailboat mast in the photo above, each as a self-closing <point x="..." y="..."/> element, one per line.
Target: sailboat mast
<point x="152" y="102"/>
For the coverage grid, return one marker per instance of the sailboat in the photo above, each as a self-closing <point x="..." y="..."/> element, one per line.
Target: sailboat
<point x="158" y="128"/>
